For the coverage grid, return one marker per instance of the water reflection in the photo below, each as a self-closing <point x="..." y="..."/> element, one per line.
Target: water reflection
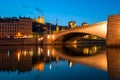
<point x="80" y="50"/>
<point x="113" y="59"/>
<point x="38" y="58"/>
<point x="95" y="58"/>
<point x="14" y="58"/>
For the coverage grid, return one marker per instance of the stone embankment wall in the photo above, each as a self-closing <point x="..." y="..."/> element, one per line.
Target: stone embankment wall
<point x="19" y="41"/>
<point x="113" y="30"/>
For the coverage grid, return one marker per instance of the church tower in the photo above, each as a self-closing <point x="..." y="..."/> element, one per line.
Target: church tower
<point x="34" y="20"/>
<point x="40" y="19"/>
<point x="57" y="27"/>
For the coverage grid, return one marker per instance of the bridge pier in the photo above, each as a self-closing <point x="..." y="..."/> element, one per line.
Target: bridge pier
<point x="113" y="30"/>
<point x="47" y="39"/>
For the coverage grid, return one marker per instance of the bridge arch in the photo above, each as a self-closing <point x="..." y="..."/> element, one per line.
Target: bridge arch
<point x="69" y="38"/>
<point x="98" y="29"/>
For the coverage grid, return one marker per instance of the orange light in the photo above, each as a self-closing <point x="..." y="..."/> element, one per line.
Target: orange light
<point x="39" y="39"/>
<point x="18" y="56"/>
<point x="53" y="36"/>
<point x="48" y="52"/>
<point x="19" y="33"/>
<point x="39" y="66"/>
<point x="48" y="36"/>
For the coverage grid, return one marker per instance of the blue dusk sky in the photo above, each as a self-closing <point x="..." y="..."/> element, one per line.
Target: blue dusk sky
<point x="90" y="11"/>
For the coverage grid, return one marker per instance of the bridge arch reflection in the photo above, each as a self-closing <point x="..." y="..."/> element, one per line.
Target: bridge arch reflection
<point x="95" y="59"/>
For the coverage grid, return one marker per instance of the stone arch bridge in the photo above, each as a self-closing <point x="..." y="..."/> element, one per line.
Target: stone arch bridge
<point x="108" y="30"/>
<point x="70" y="35"/>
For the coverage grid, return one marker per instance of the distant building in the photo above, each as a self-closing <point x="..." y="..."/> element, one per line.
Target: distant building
<point x="15" y="27"/>
<point x="72" y="24"/>
<point x="84" y="24"/>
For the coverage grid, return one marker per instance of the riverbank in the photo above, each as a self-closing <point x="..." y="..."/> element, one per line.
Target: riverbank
<point x="34" y="41"/>
<point x="20" y="41"/>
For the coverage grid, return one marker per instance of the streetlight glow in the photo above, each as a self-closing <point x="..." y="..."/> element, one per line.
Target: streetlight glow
<point x="48" y="36"/>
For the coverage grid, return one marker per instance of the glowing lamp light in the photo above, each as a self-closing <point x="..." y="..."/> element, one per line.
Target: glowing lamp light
<point x="53" y="36"/>
<point x="25" y="36"/>
<point x="48" y="52"/>
<point x="19" y="34"/>
<point x="31" y="52"/>
<point x="39" y="66"/>
<point x="25" y="53"/>
<point x="50" y="66"/>
<point x="18" y="56"/>
<point x="71" y="64"/>
<point x="39" y="39"/>
<point x="39" y="51"/>
<point x="48" y="36"/>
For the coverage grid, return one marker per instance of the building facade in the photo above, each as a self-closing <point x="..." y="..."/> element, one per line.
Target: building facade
<point x="15" y="27"/>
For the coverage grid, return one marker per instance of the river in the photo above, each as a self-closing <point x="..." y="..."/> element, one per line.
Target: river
<point x="59" y="62"/>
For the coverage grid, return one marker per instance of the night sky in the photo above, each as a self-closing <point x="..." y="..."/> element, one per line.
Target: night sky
<point x="90" y="11"/>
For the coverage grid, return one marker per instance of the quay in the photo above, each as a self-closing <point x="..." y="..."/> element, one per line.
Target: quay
<point x="19" y="41"/>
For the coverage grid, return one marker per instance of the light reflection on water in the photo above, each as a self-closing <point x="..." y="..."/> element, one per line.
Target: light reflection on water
<point x="68" y="62"/>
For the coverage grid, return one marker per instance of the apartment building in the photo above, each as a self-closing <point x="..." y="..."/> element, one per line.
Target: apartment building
<point x="15" y="27"/>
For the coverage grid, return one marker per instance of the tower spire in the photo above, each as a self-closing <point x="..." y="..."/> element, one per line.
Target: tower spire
<point x="56" y="22"/>
<point x="57" y="27"/>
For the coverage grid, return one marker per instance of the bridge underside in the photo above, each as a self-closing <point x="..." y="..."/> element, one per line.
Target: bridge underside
<point x="70" y="38"/>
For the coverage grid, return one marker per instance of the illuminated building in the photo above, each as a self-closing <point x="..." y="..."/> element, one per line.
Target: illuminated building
<point x="38" y="25"/>
<point x="72" y="24"/>
<point x="39" y="20"/>
<point x="15" y="27"/>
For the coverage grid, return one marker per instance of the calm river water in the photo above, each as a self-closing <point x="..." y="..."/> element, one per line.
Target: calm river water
<point x="60" y="62"/>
